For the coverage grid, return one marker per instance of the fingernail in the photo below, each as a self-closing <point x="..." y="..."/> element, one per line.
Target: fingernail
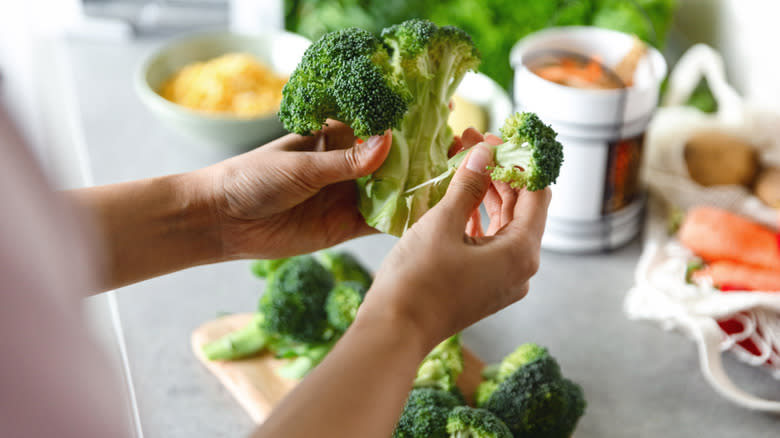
<point x="479" y="158"/>
<point x="375" y="141"/>
<point x="492" y="138"/>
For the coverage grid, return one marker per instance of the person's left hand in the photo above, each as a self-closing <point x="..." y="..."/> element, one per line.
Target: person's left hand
<point x="294" y="195"/>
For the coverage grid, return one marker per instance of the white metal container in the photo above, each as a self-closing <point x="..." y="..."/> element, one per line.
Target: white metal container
<point x="597" y="200"/>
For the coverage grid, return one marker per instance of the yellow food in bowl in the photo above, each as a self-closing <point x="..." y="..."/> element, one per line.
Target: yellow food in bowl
<point x="235" y="84"/>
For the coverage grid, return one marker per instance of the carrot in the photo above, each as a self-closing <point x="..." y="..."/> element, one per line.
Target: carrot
<point x="735" y="276"/>
<point x="718" y="235"/>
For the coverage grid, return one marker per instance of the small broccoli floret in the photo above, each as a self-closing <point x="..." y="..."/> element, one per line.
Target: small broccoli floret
<point x="484" y="391"/>
<point x="531" y="157"/>
<point x="442" y="366"/>
<point x="467" y="422"/>
<point x="497" y="373"/>
<point x="536" y="401"/>
<point x="425" y="414"/>
<point x="346" y="76"/>
<point x="244" y="342"/>
<point x="304" y="358"/>
<point x="293" y="304"/>
<point x="265" y="268"/>
<point x="345" y="267"/>
<point x="343" y="303"/>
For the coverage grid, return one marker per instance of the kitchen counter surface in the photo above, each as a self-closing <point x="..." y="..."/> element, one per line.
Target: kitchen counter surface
<point x="640" y="381"/>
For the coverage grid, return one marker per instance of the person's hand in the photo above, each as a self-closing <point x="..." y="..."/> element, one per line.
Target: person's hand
<point x="441" y="279"/>
<point x="294" y="195"/>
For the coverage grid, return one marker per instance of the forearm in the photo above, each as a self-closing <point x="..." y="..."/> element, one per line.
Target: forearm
<point x="358" y="391"/>
<point x="151" y="227"/>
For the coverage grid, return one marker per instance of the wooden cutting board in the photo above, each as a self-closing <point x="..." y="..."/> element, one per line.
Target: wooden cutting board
<point x="257" y="386"/>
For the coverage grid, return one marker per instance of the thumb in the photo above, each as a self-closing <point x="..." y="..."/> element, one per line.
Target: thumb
<point x="468" y="187"/>
<point x="347" y="164"/>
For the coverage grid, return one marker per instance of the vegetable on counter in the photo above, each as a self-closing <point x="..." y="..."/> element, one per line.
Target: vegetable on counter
<point x="442" y="366"/>
<point x="736" y="276"/>
<point x="523" y="396"/>
<point x="532" y="397"/>
<point x="308" y="303"/>
<point x="468" y="422"/>
<point x="715" y="234"/>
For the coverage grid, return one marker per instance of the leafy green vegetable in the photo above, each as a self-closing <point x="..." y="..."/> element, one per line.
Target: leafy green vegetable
<point x="494" y="25"/>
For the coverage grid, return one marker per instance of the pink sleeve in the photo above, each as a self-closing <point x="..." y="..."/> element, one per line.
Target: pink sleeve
<point x="54" y="379"/>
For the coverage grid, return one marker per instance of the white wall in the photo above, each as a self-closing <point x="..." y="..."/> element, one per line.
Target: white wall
<point x="24" y="25"/>
<point x="747" y="33"/>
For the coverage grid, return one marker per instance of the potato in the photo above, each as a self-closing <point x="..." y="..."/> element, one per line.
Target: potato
<point x="768" y="186"/>
<point x="717" y="158"/>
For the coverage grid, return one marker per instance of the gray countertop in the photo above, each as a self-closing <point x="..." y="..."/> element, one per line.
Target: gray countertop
<point x="640" y="381"/>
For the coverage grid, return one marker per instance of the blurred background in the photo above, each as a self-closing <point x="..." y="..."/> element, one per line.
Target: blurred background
<point x="742" y="30"/>
<point x="66" y="74"/>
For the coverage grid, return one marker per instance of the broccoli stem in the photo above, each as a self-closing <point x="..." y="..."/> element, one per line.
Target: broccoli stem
<point x="241" y="343"/>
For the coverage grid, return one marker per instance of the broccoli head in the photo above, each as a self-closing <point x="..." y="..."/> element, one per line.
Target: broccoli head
<point x="345" y="267"/>
<point x="468" y="422"/>
<point x="425" y="414"/>
<point x="343" y="303"/>
<point x="496" y="373"/>
<point x="536" y="401"/>
<point x="345" y="75"/>
<point x="442" y="366"/>
<point x="293" y="305"/>
<point x="402" y="80"/>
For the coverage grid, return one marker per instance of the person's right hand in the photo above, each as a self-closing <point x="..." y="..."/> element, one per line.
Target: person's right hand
<point x="441" y="279"/>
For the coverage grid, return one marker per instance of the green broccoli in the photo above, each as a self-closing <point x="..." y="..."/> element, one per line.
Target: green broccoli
<point x="303" y="358"/>
<point x="293" y="304"/>
<point x="442" y="366"/>
<point x="530" y="156"/>
<point x="467" y="422"/>
<point x="402" y="80"/>
<point x="345" y="267"/>
<point x="345" y="75"/>
<point x="497" y="373"/>
<point x="342" y="304"/>
<point x="247" y="341"/>
<point x="425" y="414"/>
<point x="264" y="268"/>
<point x="537" y="401"/>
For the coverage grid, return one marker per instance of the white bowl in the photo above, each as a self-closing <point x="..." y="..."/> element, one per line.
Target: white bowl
<point x="281" y="51"/>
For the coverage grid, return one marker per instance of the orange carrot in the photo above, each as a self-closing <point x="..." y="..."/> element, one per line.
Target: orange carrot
<point x="735" y="276"/>
<point x="718" y="235"/>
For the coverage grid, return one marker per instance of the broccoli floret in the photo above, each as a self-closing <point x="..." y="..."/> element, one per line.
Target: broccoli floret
<point x="244" y="342"/>
<point x="293" y="304"/>
<point x="497" y="373"/>
<point x="442" y="366"/>
<point x="530" y="156"/>
<point x="345" y="267"/>
<point x="343" y="303"/>
<point x="345" y="75"/>
<point x="536" y="401"/>
<point x="467" y="422"/>
<point x="265" y="268"/>
<point x="304" y="358"/>
<point x="425" y="414"/>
